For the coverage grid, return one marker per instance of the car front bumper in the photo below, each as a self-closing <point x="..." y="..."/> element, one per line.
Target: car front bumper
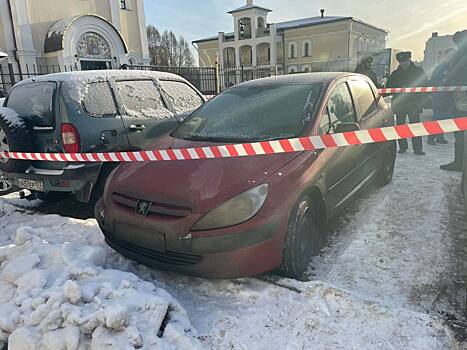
<point x="247" y="249"/>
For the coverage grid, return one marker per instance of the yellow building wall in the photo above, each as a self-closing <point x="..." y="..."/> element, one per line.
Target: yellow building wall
<point x="330" y="42"/>
<point x="208" y="53"/>
<point x="44" y="13"/>
<point x="130" y="28"/>
<point x="2" y="35"/>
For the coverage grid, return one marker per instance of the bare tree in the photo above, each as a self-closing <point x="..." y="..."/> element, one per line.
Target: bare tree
<point x="167" y="50"/>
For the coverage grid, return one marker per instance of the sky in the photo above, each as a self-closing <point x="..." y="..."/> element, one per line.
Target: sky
<point x="410" y="22"/>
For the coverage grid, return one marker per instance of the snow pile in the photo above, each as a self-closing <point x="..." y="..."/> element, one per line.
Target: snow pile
<point x="1" y="101"/>
<point x="61" y="296"/>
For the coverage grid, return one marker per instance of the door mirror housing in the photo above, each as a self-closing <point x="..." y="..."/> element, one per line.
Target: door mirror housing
<point x="346" y="127"/>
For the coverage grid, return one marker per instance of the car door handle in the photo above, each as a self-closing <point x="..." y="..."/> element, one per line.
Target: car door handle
<point x="137" y="127"/>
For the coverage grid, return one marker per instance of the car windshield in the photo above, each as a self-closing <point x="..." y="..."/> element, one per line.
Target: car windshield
<point x="253" y="113"/>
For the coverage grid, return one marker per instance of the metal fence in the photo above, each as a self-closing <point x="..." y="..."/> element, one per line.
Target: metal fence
<point x="204" y="79"/>
<point x="9" y="75"/>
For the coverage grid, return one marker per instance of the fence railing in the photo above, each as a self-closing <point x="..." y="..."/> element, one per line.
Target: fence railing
<point x="204" y="79"/>
<point x="9" y="75"/>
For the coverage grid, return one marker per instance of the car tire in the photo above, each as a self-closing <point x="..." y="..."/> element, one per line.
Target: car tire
<point x="302" y="240"/>
<point x="6" y="187"/>
<point x="386" y="172"/>
<point x="14" y="137"/>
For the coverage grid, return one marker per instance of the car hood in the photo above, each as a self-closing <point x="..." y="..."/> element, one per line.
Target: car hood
<point x="199" y="185"/>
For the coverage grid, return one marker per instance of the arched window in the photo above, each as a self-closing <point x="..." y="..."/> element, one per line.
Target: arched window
<point x="244" y="28"/>
<point x="293" y="50"/>
<point x="307" y="48"/>
<point x="306" y="68"/>
<point x="293" y="70"/>
<point x="92" y="45"/>
<point x="260" y="23"/>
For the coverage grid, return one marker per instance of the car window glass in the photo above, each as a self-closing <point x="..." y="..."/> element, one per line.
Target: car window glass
<point x="141" y="99"/>
<point x="340" y="106"/>
<point x="99" y="101"/>
<point x="324" y="126"/>
<point x="34" y="102"/>
<point x="253" y="113"/>
<point x="364" y="97"/>
<point x="182" y="96"/>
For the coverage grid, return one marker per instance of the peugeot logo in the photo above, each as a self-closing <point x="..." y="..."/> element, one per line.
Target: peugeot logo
<point x="142" y="208"/>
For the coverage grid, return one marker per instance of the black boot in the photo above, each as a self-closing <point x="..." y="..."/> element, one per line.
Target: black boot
<point x="454" y="166"/>
<point x="441" y="140"/>
<point x="432" y="140"/>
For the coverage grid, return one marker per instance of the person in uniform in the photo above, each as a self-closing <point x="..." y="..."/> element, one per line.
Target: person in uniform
<point x="457" y="76"/>
<point x="441" y="100"/>
<point x="364" y="68"/>
<point x="408" y="105"/>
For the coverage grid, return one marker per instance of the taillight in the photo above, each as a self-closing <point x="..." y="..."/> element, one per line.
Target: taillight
<point x="70" y="138"/>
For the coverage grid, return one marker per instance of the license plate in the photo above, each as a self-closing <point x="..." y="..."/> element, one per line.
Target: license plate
<point x="32" y="185"/>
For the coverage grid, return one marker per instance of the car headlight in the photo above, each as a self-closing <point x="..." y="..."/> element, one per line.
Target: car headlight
<point x="235" y="211"/>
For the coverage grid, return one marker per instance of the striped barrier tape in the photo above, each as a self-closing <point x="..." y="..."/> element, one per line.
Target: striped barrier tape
<point x="301" y="144"/>
<point x="420" y="90"/>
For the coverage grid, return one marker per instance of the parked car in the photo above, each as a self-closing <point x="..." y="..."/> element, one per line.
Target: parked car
<point x="235" y="217"/>
<point x="94" y="111"/>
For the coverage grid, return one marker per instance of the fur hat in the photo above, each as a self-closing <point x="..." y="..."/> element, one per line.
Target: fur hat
<point x="404" y="56"/>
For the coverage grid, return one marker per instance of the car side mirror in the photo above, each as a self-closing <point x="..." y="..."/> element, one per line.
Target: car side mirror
<point x="346" y="127"/>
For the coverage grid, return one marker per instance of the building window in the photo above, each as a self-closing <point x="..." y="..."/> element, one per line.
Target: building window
<point x="293" y="50"/>
<point x="307" y="48"/>
<point x="124" y="4"/>
<point x="293" y="70"/>
<point x="94" y="46"/>
<point x="306" y="68"/>
<point x="244" y="28"/>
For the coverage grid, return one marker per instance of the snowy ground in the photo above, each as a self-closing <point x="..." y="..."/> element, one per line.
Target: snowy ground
<point x="393" y="271"/>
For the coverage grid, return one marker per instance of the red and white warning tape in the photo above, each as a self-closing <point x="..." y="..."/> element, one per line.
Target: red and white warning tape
<point x="311" y="143"/>
<point x="422" y="89"/>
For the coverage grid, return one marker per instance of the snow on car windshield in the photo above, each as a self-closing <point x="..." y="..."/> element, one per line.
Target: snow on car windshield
<point x="258" y="112"/>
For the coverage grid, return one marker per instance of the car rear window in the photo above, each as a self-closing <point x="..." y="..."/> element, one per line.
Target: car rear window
<point x="253" y="113"/>
<point x="183" y="97"/>
<point x="99" y="101"/>
<point x="141" y="99"/>
<point x="34" y="102"/>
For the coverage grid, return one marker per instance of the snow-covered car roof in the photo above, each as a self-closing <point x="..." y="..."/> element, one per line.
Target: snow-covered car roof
<point x="303" y="78"/>
<point x="100" y="75"/>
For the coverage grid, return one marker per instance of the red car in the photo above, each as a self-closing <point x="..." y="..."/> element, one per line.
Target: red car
<point x="224" y="218"/>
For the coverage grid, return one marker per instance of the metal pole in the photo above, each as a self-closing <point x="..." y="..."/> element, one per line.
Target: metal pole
<point x="218" y="78"/>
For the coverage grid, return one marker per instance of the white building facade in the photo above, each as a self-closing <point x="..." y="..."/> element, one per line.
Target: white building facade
<point x="309" y="44"/>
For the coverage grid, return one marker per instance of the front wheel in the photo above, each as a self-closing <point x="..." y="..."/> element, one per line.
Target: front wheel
<point x="302" y="240"/>
<point x="386" y="172"/>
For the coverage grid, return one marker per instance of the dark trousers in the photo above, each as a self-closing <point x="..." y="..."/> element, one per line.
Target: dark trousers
<point x="459" y="147"/>
<point x="417" y="142"/>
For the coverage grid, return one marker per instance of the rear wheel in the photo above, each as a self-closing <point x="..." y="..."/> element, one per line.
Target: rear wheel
<point x="386" y="171"/>
<point x="303" y="239"/>
<point x="15" y="136"/>
<point x="5" y="187"/>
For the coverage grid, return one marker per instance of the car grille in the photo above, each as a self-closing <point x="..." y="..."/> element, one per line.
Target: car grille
<point x="156" y="208"/>
<point x="167" y="257"/>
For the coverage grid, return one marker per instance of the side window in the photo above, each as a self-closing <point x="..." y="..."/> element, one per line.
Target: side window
<point x="99" y="101"/>
<point x="324" y="126"/>
<point x="340" y="106"/>
<point x="364" y="97"/>
<point x="183" y="97"/>
<point x="141" y="99"/>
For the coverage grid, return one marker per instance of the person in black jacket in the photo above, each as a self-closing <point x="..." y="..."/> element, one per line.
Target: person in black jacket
<point x="364" y="68"/>
<point x="457" y="76"/>
<point x="408" y="104"/>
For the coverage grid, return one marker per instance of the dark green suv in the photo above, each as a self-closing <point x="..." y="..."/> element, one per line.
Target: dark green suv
<point x="94" y="111"/>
